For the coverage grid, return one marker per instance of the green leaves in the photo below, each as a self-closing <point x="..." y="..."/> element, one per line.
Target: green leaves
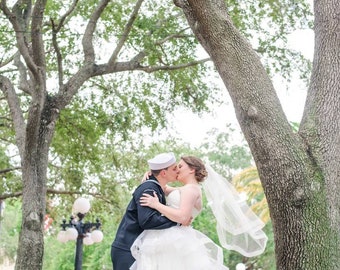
<point x="233" y="157"/>
<point x="10" y="228"/>
<point x="267" y="25"/>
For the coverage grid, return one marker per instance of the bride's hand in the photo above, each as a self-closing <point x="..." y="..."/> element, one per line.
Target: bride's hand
<point x="148" y="200"/>
<point x="146" y="176"/>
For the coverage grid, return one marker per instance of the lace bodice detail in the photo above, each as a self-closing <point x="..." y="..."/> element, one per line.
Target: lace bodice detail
<point x="174" y="198"/>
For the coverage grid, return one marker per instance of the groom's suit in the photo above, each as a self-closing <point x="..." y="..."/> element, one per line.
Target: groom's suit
<point x="136" y="219"/>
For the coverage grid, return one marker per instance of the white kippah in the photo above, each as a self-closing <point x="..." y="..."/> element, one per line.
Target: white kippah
<point x="162" y="161"/>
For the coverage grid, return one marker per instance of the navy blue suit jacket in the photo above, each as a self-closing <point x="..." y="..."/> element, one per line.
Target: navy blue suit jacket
<point x="138" y="218"/>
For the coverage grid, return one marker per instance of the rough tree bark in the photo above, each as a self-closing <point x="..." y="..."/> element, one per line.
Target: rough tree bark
<point x="300" y="171"/>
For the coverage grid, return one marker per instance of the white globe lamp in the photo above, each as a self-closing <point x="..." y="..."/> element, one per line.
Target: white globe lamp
<point x="62" y="237"/>
<point x="85" y="233"/>
<point x="88" y="240"/>
<point x="97" y="236"/>
<point x="240" y="266"/>
<point x="72" y="234"/>
<point x="81" y="205"/>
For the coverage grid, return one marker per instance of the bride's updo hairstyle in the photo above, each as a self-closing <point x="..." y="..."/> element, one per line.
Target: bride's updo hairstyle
<point x="198" y="165"/>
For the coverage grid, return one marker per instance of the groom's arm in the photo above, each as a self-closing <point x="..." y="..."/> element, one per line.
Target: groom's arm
<point x="149" y="218"/>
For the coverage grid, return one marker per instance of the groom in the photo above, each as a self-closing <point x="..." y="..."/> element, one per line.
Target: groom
<point x="138" y="218"/>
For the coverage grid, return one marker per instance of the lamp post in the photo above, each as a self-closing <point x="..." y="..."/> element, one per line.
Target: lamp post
<point x="85" y="233"/>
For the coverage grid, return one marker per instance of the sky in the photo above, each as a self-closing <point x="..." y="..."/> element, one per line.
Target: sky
<point x="193" y="129"/>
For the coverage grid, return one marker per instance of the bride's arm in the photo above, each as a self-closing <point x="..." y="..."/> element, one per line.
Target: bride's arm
<point x="183" y="214"/>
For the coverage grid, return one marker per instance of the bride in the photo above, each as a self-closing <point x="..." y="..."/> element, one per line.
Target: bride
<point x="183" y="247"/>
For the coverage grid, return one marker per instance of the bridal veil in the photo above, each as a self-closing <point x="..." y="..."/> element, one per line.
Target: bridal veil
<point x="238" y="227"/>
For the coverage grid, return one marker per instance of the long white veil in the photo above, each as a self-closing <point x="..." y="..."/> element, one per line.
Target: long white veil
<point x="238" y="227"/>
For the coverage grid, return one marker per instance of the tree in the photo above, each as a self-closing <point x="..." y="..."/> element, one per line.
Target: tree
<point x="299" y="171"/>
<point x="55" y="70"/>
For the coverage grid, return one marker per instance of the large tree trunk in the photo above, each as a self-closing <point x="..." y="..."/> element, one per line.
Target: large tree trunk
<point x="299" y="172"/>
<point x="39" y="132"/>
<point x="33" y="137"/>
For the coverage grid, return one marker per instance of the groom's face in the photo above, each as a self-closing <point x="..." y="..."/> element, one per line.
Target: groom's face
<point x="171" y="173"/>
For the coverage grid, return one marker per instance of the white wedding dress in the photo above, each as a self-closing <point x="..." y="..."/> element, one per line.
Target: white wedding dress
<point x="176" y="248"/>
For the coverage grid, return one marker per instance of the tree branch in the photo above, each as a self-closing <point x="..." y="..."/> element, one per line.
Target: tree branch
<point x="55" y="30"/>
<point x="54" y="191"/>
<point x="67" y="13"/>
<point x="9" y="170"/>
<point x="134" y="64"/>
<point x="173" y="36"/>
<point x="7" y="61"/>
<point x="16" y="112"/>
<point x="175" y="67"/>
<point x="89" y="54"/>
<point x="38" y="50"/>
<point x="126" y="32"/>
<point x="20" y="31"/>
<point x="68" y="90"/>
<point x="11" y="195"/>
<point x="24" y="84"/>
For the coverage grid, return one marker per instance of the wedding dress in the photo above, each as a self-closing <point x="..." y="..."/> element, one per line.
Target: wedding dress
<point x="179" y="247"/>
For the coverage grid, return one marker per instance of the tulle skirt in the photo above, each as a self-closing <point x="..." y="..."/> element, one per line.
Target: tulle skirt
<point x="176" y="248"/>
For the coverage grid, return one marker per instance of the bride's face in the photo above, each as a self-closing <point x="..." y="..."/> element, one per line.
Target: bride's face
<point x="184" y="171"/>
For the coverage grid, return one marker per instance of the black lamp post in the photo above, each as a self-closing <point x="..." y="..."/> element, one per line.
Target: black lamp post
<point x="85" y="233"/>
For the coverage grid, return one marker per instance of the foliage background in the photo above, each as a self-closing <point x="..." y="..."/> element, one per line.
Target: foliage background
<point x="230" y="163"/>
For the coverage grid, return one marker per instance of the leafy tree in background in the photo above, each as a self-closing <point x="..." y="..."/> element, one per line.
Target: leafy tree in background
<point x="225" y="154"/>
<point x="55" y="72"/>
<point x="299" y="171"/>
<point x="83" y="82"/>
<point x="9" y="232"/>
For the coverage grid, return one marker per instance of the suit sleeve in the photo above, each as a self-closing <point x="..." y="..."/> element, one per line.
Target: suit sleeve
<point x="149" y="218"/>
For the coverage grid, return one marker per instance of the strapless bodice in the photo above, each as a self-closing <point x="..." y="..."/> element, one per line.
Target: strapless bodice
<point x="174" y="199"/>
